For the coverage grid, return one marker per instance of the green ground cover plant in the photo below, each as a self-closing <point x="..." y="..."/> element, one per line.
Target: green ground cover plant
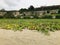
<point x="43" y="25"/>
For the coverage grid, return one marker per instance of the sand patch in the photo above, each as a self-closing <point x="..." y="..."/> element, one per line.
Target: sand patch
<point x="28" y="37"/>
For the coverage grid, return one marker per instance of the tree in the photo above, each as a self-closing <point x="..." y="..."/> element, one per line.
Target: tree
<point x="31" y="8"/>
<point x="22" y="10"/>
<point x="2" y="10"/>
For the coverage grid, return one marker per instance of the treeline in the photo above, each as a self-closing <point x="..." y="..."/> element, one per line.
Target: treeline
<point x="9" y="14"/>
<point x="51" y="16"/>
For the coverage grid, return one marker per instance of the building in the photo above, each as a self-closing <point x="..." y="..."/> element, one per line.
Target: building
<point x="13" y="12"/>
<point x="44" y="10"/>
<point x="40" y="11"/>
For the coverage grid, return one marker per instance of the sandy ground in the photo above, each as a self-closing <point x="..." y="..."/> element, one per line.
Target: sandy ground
<point x="28" y="37"/>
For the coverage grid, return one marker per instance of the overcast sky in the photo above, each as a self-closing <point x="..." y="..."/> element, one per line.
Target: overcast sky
<point x="17" y="4"/>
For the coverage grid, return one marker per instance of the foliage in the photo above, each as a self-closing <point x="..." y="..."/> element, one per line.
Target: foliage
<point x="31" y="8"/>
<point x="9" y="15"/>
<point x="22" y="10"/>
<point x="42" y="25"/>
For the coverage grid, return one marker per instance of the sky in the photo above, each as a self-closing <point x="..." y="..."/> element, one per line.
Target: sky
<point x="18" y="4"/>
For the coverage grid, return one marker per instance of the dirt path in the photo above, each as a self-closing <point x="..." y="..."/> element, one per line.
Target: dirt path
<point x="27" y="37"/>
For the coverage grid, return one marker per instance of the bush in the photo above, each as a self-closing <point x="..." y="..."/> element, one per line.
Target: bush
<point x="47" y="17"/>
<point x="58" y="16"/>
<point x="9" y="15"/>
